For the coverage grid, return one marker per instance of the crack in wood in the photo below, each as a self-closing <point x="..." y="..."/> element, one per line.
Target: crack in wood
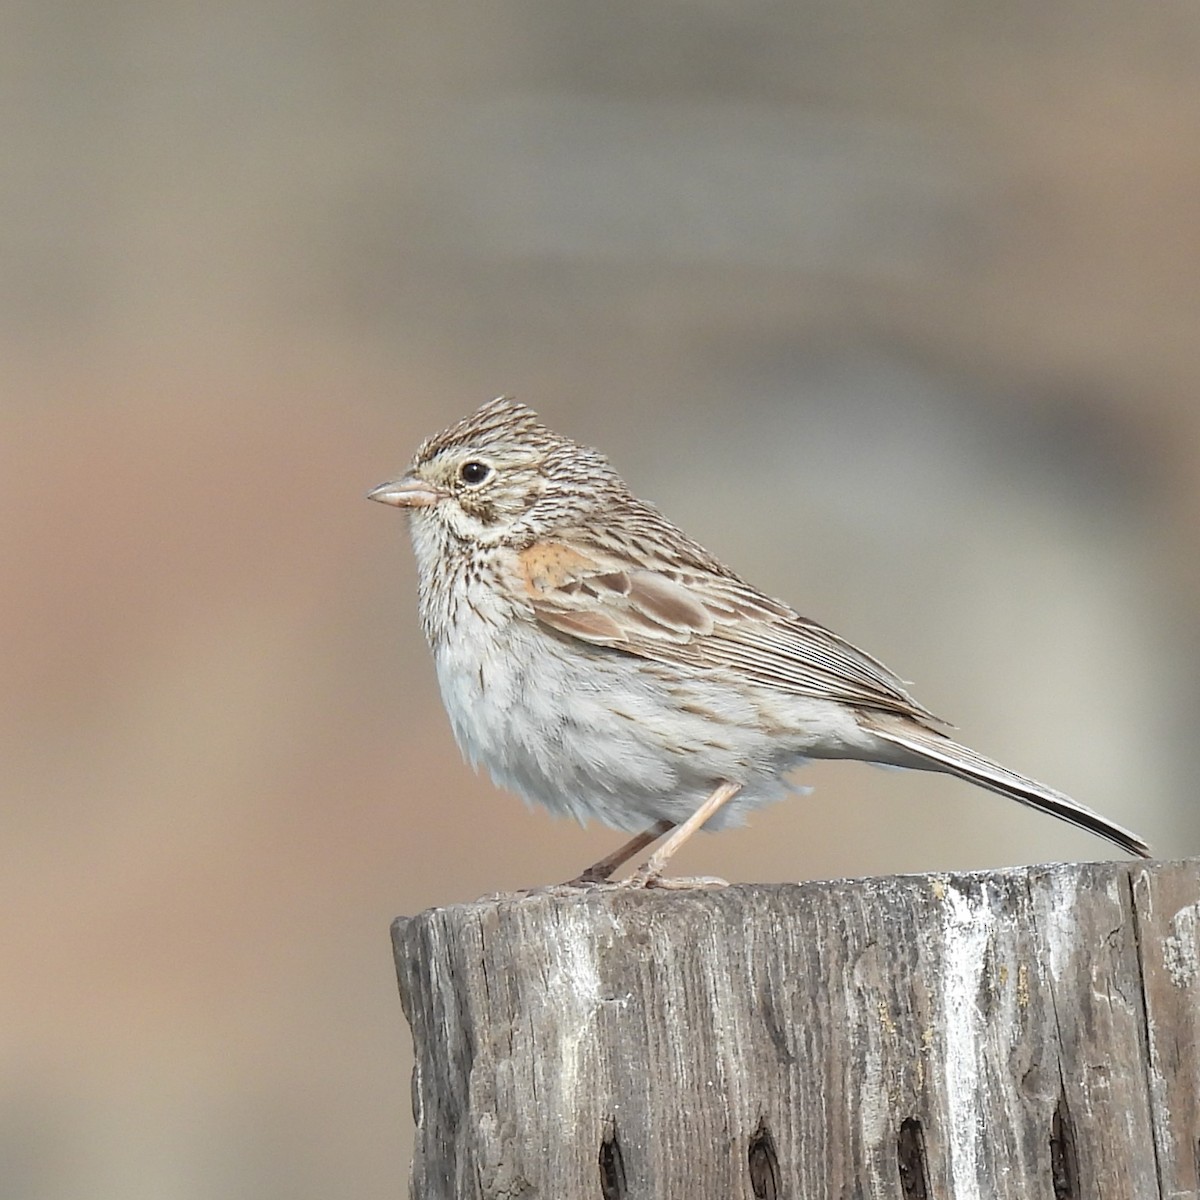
<point x="1133" y="880"/>
<point x="764" y="1164"/>
<point x="613" y="1185"/>
<point x="1064" y="1158"/>
<point x="910" y="1158"/>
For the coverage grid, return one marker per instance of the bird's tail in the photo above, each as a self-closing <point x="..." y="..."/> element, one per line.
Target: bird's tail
<point x="933" y="751"/>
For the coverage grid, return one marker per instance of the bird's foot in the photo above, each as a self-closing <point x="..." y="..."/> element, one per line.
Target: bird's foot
<point x="646" y="878"/>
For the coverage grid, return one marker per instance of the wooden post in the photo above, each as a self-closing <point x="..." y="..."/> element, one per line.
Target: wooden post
<point x="1027" y="1034"/>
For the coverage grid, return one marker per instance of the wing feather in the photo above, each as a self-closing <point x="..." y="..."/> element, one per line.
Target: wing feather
<point x="694" y="618"/>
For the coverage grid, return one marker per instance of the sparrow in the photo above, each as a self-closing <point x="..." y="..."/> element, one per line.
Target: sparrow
<point x="599" y="662"/>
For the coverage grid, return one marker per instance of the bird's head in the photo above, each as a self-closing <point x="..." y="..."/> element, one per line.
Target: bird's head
<point x="498" y="475"/>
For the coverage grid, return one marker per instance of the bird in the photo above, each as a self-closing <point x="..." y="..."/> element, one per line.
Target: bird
<point x="601" y="663"/>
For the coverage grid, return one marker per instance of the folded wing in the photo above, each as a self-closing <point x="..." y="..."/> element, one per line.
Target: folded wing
<point x="695" y="618"/>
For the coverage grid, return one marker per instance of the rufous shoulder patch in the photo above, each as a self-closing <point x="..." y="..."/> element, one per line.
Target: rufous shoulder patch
<point x="548" y="566"/>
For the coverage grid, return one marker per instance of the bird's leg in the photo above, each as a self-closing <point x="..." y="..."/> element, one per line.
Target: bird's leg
<point x="600" y="871"/>
<point x="649" y="874"/>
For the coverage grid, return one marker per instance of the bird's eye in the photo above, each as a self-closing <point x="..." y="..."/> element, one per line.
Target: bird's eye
<point x="473" y="472"/>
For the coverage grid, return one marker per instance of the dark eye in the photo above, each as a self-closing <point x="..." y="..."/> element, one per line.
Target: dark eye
<point x="473" y="472"/>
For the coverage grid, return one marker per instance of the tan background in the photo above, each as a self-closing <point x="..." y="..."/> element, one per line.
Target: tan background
<point x="895" y="307"/>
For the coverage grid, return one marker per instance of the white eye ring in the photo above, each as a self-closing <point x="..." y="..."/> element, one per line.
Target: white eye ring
<point x="473" y="472"/>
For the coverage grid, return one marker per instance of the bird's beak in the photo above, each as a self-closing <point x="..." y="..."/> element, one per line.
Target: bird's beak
<point x="406" y="492"/>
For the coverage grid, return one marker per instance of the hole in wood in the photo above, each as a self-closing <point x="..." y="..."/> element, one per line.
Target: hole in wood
<point x="910" y="1158"/>
<point x="764" y="1164"/>
<point x="1064" y="1160"/>
<point x="612" y="1166"/>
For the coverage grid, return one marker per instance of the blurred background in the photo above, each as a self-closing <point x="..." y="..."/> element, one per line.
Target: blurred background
<point x="893" y="307"/>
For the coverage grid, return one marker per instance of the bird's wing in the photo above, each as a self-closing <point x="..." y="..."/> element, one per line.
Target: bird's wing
<point x="688" y="615"/>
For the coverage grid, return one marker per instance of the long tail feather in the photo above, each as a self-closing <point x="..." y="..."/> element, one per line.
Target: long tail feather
<point x="937" y="753"/>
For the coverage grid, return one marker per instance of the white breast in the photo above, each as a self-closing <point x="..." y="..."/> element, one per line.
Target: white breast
<point x="596" y="733"/>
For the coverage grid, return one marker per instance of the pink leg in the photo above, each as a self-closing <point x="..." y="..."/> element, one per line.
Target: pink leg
<point x="648" y="874"/>
<point x="600" y="871"/>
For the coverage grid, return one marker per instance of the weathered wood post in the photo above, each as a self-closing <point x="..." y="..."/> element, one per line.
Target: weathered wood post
<point x="1026" y="1034"/>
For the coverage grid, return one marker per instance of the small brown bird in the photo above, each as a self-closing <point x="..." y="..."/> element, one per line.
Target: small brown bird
<point x="599" y="662"/>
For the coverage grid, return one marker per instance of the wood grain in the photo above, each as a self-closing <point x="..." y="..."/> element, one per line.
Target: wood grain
<point x="1028" y="1033"/>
